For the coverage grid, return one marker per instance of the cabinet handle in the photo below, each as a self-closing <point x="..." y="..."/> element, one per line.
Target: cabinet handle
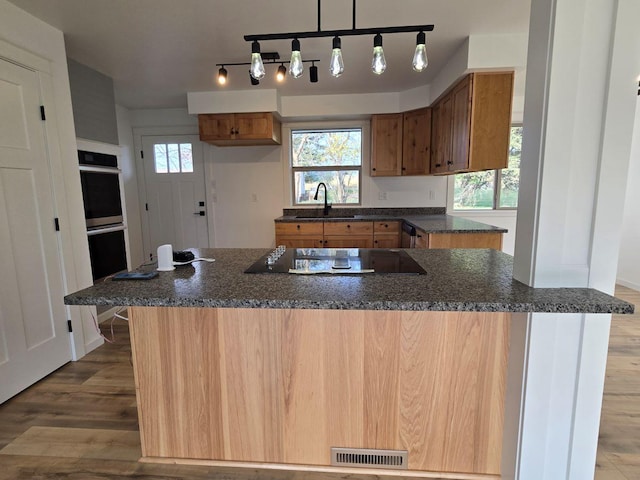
<point x="231" y="132"/>
<point x="404" y="168"/>
<point x="237" y="131"/>
<point x="298" y="227"/>
<point x="348" y="226"/>
<point x="373" y="169"/>
<point x="449" y="162"/>
<point x="386" y="225"/>
<point x="438" y="164"/>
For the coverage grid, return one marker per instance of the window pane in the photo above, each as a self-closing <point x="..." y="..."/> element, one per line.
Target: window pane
<point x="186" y="158"/>
<point x="474" y="190"/>
<point x="510" y="177"/>
<point x="326" y="148"/>
<point x="160" y="158"/>
<point x="174" y="158"/>
<point x="342" y="185"/>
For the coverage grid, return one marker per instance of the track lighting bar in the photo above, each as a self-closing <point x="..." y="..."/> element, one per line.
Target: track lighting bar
<point x="339" y="33"/>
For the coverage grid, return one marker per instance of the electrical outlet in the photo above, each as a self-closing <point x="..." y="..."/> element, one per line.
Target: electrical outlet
<point x="382" y="195"/>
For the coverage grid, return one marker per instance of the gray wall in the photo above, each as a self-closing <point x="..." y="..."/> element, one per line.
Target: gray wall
<point x="94" y="106"/>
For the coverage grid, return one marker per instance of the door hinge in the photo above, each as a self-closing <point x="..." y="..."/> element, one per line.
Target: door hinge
<point x="42" y="115"/>
<point x="69" y="326"/>
<point x="141" y="153"/>
<point x="56" y="222"/>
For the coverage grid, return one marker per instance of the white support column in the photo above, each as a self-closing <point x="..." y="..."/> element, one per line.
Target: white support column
<point x="583" y="61"/>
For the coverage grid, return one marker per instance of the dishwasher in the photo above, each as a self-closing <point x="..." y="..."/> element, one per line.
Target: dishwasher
<point x="408" y="236"/>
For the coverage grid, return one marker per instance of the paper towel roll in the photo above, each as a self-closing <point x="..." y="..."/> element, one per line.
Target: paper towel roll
<point x="165" y="258"/>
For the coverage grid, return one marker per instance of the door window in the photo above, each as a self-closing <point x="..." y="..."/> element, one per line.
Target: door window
<point x="173" y="157"/>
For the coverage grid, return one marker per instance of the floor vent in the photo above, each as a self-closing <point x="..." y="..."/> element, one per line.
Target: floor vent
<point x="364" y="457"/>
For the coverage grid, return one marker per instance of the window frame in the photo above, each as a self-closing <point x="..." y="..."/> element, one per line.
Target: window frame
<point x="289" y="170"/>
<point x="497" y="179"/>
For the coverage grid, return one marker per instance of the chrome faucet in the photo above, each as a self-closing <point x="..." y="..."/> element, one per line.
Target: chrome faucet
<point x="327" y="207"/>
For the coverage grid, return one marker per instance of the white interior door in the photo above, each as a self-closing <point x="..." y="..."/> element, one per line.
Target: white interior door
<point x="33" y="334"/>
<point x="176" y="205"/>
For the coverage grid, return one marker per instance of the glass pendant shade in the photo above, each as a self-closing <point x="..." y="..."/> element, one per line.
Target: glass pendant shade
<point x="336" y="66"/>
<point x="282" y="73"/>
<point x="296" y="66"/>
<point x="257" y="67"/>
<point x="379" y="63"/>
<point x="420" y="60"/>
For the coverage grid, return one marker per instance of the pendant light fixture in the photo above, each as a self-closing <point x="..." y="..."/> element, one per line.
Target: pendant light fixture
<point x="257" y="67"/>
<point x="420" y="60"/>
<point x="282" y="73"/>
<point x="296" y="66"/>
<point x="222" y="75"/>
<point x="379" y="63"/>
<point x="336" y="66"/>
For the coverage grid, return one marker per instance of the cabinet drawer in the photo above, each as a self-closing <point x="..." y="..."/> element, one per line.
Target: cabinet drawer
<point x="466" y="240"/>
<point x="348" y="228"/>
<point x="301" y="228"/>
<point x="387" y="227"/>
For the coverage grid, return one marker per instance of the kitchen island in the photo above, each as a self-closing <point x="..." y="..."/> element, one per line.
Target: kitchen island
<point x="276" y="369"/>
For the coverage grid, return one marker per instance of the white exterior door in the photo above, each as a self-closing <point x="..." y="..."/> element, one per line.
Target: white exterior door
<point x="176" y="206"/>
<point x="33" y="329"/>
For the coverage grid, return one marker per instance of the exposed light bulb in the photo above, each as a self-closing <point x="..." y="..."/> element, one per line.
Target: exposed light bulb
<point x="257" y="67"/>
<point x="420" y="61"/>
<point x="222" y="76"/>
<point x="336" y="66"/>
<point x="282" y="73"/>
<point x="295" y="66"/>
<point x="378" y="64"/>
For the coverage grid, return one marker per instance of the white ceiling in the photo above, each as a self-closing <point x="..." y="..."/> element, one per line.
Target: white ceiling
<point x="158" y="50"/>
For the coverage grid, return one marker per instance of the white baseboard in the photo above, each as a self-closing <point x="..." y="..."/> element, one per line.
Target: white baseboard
<point x="632" y="285"/>
<point x="108" y="314"/>
<point x="93" y="345"/>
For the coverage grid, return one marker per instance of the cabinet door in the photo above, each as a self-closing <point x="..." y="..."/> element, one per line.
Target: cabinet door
<point x="385" y="240"/>
<point x="490" y="120"/>
<point x="460" y="125"/>
<point x="422" y="240"/>
<point x="215" y="126"/>
<point x="441" y="136"/>
<point x="466" y="240"/>
<point x="252" y="126"/>
<point x="386" y="145"/>
<point x="348" y="241"/>
<point x="416" y="142"/>
<point x="299" y="241"/>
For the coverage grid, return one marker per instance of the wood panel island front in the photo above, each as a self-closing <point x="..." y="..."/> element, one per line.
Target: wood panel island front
<point x="276" y="370"/>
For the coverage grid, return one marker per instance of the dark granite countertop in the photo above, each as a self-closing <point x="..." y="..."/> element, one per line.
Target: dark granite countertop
<point x="428" y="220"/>
<point x="456" y="280"/>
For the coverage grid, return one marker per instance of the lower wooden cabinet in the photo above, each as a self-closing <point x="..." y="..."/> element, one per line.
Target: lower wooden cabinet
<point x="459" y="240"/>
<point x="380" y="234"/>
<point x="300" y="235"/>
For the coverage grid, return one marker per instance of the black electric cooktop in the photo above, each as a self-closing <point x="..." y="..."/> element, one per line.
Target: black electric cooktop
<point x="341" y="261"/>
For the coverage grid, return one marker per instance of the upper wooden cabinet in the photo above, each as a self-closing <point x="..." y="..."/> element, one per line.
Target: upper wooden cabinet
<point x="229" y="129"/>
<point x="471" y="124"/>
<point x="401" y="143"/>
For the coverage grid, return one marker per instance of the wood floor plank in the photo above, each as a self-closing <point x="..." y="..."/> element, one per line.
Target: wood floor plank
<point x="77" y="443"/>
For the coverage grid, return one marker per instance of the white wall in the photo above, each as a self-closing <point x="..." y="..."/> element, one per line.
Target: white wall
<point x="130" y="180"/>
<point x="28" y="33"/>
<point x="629" y="263"/>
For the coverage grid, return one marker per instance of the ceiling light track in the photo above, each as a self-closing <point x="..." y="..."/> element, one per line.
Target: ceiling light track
<point x="336" y="66"/>
<point x="269" y="58"/>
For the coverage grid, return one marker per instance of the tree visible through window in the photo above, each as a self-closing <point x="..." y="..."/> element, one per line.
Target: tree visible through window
<point x="492" y="189"/>
<point x="173" y="157"/>
<point x="331" y="156"/>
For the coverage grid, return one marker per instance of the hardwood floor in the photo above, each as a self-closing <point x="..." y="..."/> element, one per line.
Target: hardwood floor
<point x="619" y="442"/>
<point x="81" y="421"/>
